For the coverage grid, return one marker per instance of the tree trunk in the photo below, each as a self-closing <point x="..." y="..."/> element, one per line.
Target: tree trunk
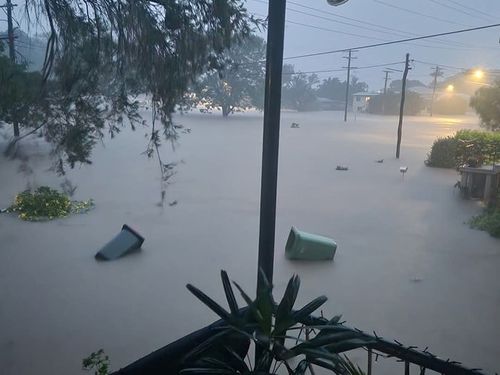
<point x="226" y="110"/>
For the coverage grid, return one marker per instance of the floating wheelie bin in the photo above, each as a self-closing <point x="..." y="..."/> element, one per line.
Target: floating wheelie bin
<point x="124" y="242"/>
<point x="307" y="246"/>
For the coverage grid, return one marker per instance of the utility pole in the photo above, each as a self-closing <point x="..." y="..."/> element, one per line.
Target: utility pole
<point x="348" y="82"/>
<point x="270" y="146"/>
<point x="387" y="72"/>
<point x="402" y="106"/>
<point x="12" y="50"/>
<point x="438" y="72"/>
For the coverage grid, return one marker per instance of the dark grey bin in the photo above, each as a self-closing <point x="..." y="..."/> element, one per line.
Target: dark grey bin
<point x="124" y="242"/>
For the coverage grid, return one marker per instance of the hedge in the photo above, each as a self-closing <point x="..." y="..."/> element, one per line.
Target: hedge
<point x="471" y="147"/>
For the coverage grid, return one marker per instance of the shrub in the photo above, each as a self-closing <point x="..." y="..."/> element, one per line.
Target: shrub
<point x="488" y="221"/>
<point x="46" y="204"/>
<point x="470" y="147"/>
<point x="443" y="153"/>
<point x="477" y="145"/>
<point x="486" y="102"/>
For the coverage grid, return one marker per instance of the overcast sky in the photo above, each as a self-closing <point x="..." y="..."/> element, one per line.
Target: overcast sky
<point x="411" y="17"/>
<point x="314" y="26"/>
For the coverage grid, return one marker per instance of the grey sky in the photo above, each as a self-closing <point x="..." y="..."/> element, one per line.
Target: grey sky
<point x="328" y="32"/>
<point x="479" y="48"/>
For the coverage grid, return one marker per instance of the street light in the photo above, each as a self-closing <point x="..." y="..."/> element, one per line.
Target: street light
<point x="336" y="2"/>
<point x="270" y="143"/>
<point x="478" y="74"/>
<point x="450" y="88"/>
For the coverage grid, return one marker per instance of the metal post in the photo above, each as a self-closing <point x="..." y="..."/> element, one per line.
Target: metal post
<point x="270" y="147"/>
<point x="370" y="361"/>
<point x="347" y="84"/>
<point x="407" y="368"/>
<point x="402" y="106"/>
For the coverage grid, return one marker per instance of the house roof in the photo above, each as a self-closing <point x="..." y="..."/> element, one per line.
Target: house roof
<point x="365" y="93"/>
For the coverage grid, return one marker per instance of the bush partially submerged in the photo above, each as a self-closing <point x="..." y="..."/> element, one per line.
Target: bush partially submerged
<point x="443" y="153"/>
<point x="488" y="221"/>
<point x="46" y="204"/>
<point x="470" y="147"/>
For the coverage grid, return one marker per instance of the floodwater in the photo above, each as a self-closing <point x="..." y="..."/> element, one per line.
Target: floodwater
<point x="407" y="265"/>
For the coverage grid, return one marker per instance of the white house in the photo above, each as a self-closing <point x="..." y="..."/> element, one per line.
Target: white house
<point x="360" y="100"/>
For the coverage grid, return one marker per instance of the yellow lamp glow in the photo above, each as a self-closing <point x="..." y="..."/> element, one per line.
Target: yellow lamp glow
<point x="450" y="88"/>
<point x="478" y="74"/>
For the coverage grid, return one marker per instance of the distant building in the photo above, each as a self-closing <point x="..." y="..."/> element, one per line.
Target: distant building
<point x="361" y="99"/>
<point x="424" y="92"/>
<point x="326" y="104"/>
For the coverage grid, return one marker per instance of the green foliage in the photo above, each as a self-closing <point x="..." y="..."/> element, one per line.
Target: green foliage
<point x="466" y="147"/>
<point x="240" y="83"/>
<point x="46" y="204"/>
<point x="299" y="91"/>
<point x="450" y="105"/>
<point x="19" y="92"/>
<point x="443" y="153"/>
<point x="97" y="362"/>
<point x="486" y="102"/>
<point x="101" y="54"/>
<point x="389" y="104"/>
<point x="333" y="88"/>
<point x="278" y="332"/>
<point x="397" y="84"/>
<point x="488" y="221"/>
<point x="481" y="147"/>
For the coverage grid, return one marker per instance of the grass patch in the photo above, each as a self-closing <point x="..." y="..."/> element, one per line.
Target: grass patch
<point x="488" y="221"/>
<point x="47" y="204"/>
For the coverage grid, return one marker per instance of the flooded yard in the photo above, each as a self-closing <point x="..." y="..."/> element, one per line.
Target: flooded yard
<point x="407" y="265"/>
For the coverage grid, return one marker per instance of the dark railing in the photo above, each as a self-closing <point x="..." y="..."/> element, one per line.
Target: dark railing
<point x="167" y="359"/>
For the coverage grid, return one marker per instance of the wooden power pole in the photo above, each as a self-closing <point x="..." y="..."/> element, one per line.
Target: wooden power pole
<point x="438" y="72"/>
<point x="348" y="82"/>
<point x="402" y="106"/>
<point x="12" y="49"/>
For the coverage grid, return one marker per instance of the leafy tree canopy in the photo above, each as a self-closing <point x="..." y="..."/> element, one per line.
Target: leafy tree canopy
<point x="486" y="102"/>
<point x="299" y="89"/>
<point x="240" y="84"/>
<point x="100" y="53"/>
<point x="397" y="84"/>
<point x="334" y="88"/>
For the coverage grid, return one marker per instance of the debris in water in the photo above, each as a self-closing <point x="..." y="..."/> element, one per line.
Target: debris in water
<point x="124" y="242"/>
<point x="342" y="168"/>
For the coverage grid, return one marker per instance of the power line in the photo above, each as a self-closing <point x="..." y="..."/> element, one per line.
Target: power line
<point x="441" y="65"/>
<point x="459" y="10"/>
<point x="471" y="9"/>
<point x="394" y="41"/>
<point x="418" y="13"/>
<point x="333" y="30"/>
<point x="343" y="69"/>
<point x="364" y="36"/>
<point x="364" y="23"/>
<point x="369" y="37"/>
<point x="462" y="70"/>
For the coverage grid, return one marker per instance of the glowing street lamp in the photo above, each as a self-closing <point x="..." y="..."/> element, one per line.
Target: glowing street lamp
<point x="450" y="88"/>
<point x="478" y="74"/>
<point x="270" y="146"/>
